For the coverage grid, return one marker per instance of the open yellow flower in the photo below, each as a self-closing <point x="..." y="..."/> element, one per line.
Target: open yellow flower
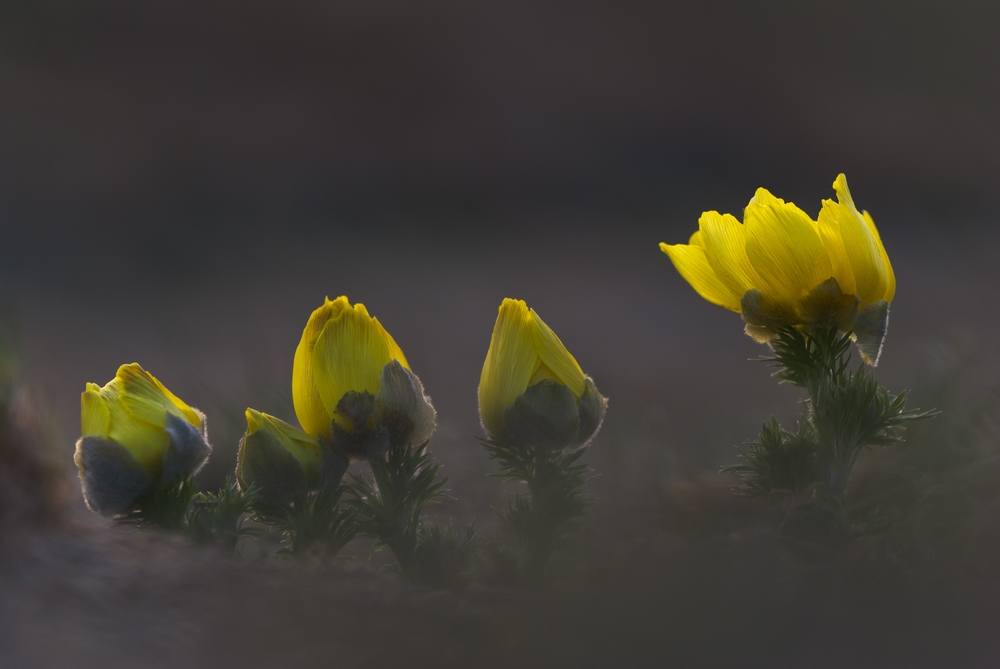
<point x="282" y="460"/>
<point x="531" y="388"/>
<point x="780" y="268"/>
<point x="349" y="376"/>
<point x="135" y="433"/>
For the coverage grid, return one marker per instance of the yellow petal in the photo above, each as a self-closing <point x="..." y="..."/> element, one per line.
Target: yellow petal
<point x="146" y="442"/>
<point x="556" y="358"/>
<point x="692" y="264"/>
<point x="255" y="420"/>
<point x="890" y="275"/>
<point x="395" y="352"/>
<point x="148" y="400"/>
<point x="829" y="231"/>
<point x="95" y="418"/>
<point x="543" y="373"/>
<point x="863" y="247"/>
<point x="784" y="247"/>
<point x="724" y="240"/>
<point x="510" y="362"/>
<point x="308" y="404"/>
<point x="303" y="447"/>
<point x="349" y="355"/>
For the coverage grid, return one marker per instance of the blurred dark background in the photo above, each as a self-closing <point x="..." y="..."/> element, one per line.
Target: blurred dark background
<point x="181" y="184"/>
<point x="120" y="111"/>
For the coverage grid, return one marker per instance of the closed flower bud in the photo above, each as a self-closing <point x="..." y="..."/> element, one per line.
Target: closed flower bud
<point x="352" y="386"/>
<point x="136" y="435"/>
<point x="532" y="391"/>
<point x="281" y="460"/>
<point x="779" y="268"/>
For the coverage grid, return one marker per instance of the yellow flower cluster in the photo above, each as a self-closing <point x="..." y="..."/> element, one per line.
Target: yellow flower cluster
<point x="780" y="268"/>
<point x="355" y="395"/>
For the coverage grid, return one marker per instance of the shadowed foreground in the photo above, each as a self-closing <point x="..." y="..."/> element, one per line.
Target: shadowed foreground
<point x="688" y="577"/>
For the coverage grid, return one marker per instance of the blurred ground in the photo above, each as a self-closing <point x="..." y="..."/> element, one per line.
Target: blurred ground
<point x="180" y="185"/>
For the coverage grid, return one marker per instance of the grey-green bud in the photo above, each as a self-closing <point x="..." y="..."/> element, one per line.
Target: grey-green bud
<point x="265" y="463"/>
<point x="548" y="416"/>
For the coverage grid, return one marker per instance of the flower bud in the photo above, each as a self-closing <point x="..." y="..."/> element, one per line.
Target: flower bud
<point x="282" y="461"/>
<point x="352" y="386"/>
<point x="532" y="391"/>
<point x="136" y="434"/>
<point x="779" y="268"/>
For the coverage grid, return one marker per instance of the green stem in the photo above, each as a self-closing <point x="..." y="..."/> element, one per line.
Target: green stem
<point x="537" y="522"/>
<point x="312" y="521"/>
<point x="390" y="506"/>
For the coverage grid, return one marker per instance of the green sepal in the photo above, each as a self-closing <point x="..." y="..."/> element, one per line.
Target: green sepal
<point x="759" y="334"/>
<point x="369" y="439"/>
<point x="869" y="330"/>
<point x="399" y="414"/>
<point x="111" y="477"/>
<point x="187" y="451"/>
<point x="545" y="416"/>
<point x="826" y="306"/>
<point x="402" y="406"/>
<point x="593" y="406"/>
<point x="764" y="316"/>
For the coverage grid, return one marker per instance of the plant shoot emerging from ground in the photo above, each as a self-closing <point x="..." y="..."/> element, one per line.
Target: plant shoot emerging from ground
<point x="809" y="288"/>
<point x="540" y="411"/>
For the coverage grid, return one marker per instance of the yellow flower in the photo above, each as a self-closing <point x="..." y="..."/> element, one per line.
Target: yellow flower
<point x="349" y="375"/>
<point x="526" y="354"/>
<point x="135" y="432"/>
<point x="132" y="411"/>
<point x="280" y="459"/>
<point x="780" y="268"/>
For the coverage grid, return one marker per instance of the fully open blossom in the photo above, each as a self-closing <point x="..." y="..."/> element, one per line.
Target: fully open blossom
<point x="780" y="268"/>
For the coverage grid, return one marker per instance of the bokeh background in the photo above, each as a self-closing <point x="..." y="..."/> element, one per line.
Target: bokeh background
<point x="182" y="183"/>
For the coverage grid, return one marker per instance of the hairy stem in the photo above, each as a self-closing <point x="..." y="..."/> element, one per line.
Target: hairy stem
<point x="536" y="523"/>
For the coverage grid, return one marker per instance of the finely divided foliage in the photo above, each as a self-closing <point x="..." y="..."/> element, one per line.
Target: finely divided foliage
<point x="809" y="289"/>
<point x="847" y="412"/>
